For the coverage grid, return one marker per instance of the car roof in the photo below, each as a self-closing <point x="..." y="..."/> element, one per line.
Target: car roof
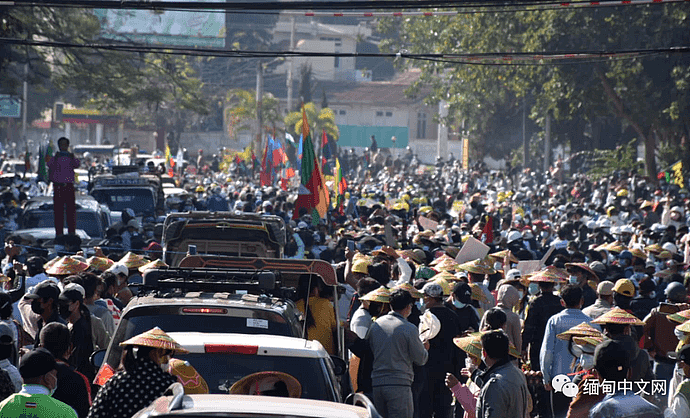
<point x="208" y="299"/>
<point x="85" y="201"/>
<point x="247" y="405"/>
<point x="267" y="345"/>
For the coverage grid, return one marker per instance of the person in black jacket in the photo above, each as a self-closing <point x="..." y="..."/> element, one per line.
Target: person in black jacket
<point x="73" y="387"/>
<point x="72" y="309"/>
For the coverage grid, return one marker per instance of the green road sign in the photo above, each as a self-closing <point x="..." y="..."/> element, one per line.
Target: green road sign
<point x="10" y="107"/>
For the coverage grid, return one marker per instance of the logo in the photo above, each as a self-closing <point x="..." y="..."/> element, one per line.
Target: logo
<point x="562" y="383"/>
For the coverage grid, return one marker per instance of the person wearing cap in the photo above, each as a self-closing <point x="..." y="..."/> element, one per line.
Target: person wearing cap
<point x="141" y="378"/>
<point x="40" y="381"/>
<point x="7" y="349"/>
<point x="73" y="388"/>
<point x="580" y="274"/>
<point x="396" y="346"/>
<point x="643" y="304"/>
<point x="460" y="301"/>
<point x="72" y="309"/>
<point x="504" y="392"/>
<point x="444" y="355"/>
<point x="612" y="363"/>
<point x="679" y="402"/>
<point x="623" y="294"/>
<point x="555" y="357"/>
<point x="43" y="301"/>
<point x="658" y="333"/>
<point x="604" y="300"/>
<point x="508" y="298"/>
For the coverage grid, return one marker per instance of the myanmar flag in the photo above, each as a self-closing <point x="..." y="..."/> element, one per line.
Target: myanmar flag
<point x="312" y="195"/>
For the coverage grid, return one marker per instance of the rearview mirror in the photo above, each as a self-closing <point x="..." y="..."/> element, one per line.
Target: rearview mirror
<point x="97" y="358"/>
<point x="339" y="366"/>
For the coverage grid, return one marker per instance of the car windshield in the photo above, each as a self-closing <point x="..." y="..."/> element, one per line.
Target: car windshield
<point x="86" y="220"/>
<point x="172" y="319"/>
<point x="139" y="200"/>
<point x="222" y="370"/>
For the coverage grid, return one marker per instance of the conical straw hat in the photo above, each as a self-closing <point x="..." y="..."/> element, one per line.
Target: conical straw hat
<point x="680" y="317"/>
<point x="378" y="295"/>
<point x="132" y="261"/>
<point x="155" y="264"/>
<point x="589" y="340"/>
<point x="580" y="330"/>
<point x="550" y="274"/>
<point x="618" y="316"/>
<point x="99" y="263"/>
<point x="67" y="265"/>
<point x="255" y="383"/>
<point x="499" y="256"/>
<point x="411" y="289"/>
<point x="478" y="293"/>
<point x="156" y="338"/>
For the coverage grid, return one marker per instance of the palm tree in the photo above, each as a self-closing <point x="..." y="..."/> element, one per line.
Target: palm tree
<point x="323" y="119"/>
<point x="241" y="115"/>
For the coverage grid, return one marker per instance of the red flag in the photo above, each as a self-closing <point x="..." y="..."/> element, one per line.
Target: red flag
<point x="265" y="175"/>
<point x="488" y="230"/>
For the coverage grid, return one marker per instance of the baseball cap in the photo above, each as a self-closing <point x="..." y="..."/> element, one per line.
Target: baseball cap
<point x="36" y="363"/>
<point x="433" y="290"/>
<point x="605" y="288"/>
<point x="513" y="274"/>
<point x="611" y="355"/>
<point x="624" y="287"/>
<point x="47" y="289"/>
<point x="119" y="269"/>
<point x="6" y="334"/>
<point x="463" y="292"/>
<point x="73" y="292"/>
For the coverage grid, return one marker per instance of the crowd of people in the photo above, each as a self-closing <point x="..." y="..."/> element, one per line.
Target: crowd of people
<point x="573" y="300"/>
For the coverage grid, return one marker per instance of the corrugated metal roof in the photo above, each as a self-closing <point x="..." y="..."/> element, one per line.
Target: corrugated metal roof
<point x="386" y="92"/>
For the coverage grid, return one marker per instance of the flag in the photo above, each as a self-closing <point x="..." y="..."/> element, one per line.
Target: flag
<point x="179" y="160"/>
<point x="340" y="184"/>
<point x="169" y="162"/>
<point x="313" y="195"/>
<point x="488" y="231"/>
<point x="299" y="148"/>
<point x="289" y="138"/>
<point x="278" y="153"/>
<point x="266" y="165"/>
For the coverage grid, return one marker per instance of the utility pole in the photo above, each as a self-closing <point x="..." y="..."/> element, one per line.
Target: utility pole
<point x="25" y="99"/>
<point x="547" y="143"/>
<point x="291" y="65"/>
<point x="259" y="105"/>
<point x="525" y="145"/>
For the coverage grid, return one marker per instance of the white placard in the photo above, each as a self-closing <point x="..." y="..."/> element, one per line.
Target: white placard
<point x="529" y="266"/>
<point x="427" y="223"/>
<point x="473" y="249"/>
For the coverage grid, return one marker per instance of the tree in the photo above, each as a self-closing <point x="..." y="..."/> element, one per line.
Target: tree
<point x="240" y="114"/>
<point x="319" y="120"/>
<point x="642" y="93"/>
<point x="306" y="88"/>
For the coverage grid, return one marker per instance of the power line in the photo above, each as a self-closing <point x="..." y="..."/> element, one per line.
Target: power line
<point x="326" y="5"/>
<point x="493" y="58"/>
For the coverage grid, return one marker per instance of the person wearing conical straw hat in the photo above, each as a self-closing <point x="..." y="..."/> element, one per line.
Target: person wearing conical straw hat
<point x="374" y="304"/>
<point x="679" y="400"/>
<point x="616" y="325"/>
<point x="586" y="375"/>
<point x="141" y="378"/>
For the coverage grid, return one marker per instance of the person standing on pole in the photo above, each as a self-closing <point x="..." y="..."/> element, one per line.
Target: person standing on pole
<point x="61" y="172"/>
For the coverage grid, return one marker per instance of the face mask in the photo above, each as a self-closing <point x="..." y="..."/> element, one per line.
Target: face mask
<point x="420" y="305"/>
<point x="653" y="294"/>
<point x="587" y="361"/>
<point x="521" y="293"/>
<point x="498" y="265"/>
<point x="679" y="334"/>
<point x="533" y="288"/>
<point x="36" y="307"/>
<point x="573" y="280"/>
<point x="458" y="304"/>
<point x="576" y="350"/>
<point x="557" y="287"/>
<point x="486" y="282"/>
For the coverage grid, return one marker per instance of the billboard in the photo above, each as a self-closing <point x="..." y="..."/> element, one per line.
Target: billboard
<point x="174" y="28"/>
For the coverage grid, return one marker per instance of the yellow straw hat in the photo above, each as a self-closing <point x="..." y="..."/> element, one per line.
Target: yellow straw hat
<point x="499" y="256"/>
<point x="156" y="338"/>
<point x="478" y="293"/>
<point x="550" y="274"/>
<point x="445" y="285"/>
<point x="684" y="327"/>
<point x="680" y="317"/>
<point x="189" y="377"/>
<point x="589" y="340"/>
<point x="470" y="344"/>
<point x="441" y="259"/>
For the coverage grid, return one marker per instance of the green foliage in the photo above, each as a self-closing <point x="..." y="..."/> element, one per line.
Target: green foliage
<point x="319" y="120"/>
<point x="646" y="94"/>
<point x="605" y="162"/>
<point x="241" y="111"/>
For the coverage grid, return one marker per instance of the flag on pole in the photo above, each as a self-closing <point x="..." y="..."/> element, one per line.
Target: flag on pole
<point x="340" y="184"/>
<point x="299" y="148"/>
<point x="266" y="164"/>
<point x="313" y="195"/>
<point x="169" y="162"/>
